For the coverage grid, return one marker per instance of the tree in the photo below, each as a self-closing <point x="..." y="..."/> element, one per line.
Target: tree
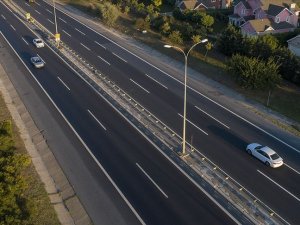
<point x="13" y="205"/>
<point x="196" y="38"/>
<point x="150" y="9"/>
<point x="175" y="37"/>
<point x="264" y="46"/>
<point x="231" y="41"/>
<point x="208" y="47"/>
<point x="289" y="64"/>
<point x="207" y="21"/>
<point x="253" y="73"/>
<point x="109" y="13"/>
<point x="157" y="3"/>
<point x="142" y="24"/>
<point x="165" y="28"/>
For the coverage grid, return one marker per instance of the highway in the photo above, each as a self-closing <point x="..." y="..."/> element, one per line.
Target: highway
<point x="218" y="133"/>
<point x="157" y="192"/>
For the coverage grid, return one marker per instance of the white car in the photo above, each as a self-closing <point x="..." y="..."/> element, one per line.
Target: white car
<point x="265" y="154"/>
<point x="38" y="43"/>
<point x="37" y="62"/>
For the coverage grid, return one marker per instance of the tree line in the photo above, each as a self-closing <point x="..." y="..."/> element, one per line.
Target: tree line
<point x="258" y="62"/>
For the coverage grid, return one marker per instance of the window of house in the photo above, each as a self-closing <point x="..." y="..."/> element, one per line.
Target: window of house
<point x="277" y="19"/>
<point x="288" y="19"/>
<point x="243" y="11"/>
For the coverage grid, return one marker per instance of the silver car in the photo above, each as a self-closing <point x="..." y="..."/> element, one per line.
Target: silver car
<point x="38" y="43"/>
<point x="265" y="154"/>
<point x="37" y="62"/>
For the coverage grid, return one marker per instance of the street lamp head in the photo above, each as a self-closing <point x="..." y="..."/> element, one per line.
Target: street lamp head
<point x="204" y="40"/>
<point x="168" y="46"/>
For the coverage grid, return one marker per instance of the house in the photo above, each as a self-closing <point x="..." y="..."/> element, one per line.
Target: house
<point x="201" y="4"/>
<point x="294" y="45"/>
<point x="259" y="17"/>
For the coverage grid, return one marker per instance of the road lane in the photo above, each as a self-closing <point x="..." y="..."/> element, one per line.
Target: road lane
<point x="121" y="147"/>
<point x="162" y="103"/>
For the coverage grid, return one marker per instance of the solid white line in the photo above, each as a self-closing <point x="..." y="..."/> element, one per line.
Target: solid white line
<point x="100" y="44"/>
<point x="85" y="47"/>
<point x="96" y="119"/>
<point x="25" y="41"/>
<point x="78" y="136"/>
<point x="64" y="83"/>
<point x="37" y="3"/>
<point x="62" y="20"/>
<point x="6" y="7"/>
<point x="66" y="33"/>
<point x="139" y="86"/>
<point x="228" y="110"/>
<point x="119" y="57"/>
<point x="13" y="27"/>
<point x="37" y="11"/>
<point x="80" y="31"/>
<point x="103" y="59"/>
<point x="150" y="141"/>
<point x="3" y="17"/>
<point x="156" y="81"/>
<point x="292" y="169"/>
<point x="156" y="185"/>
<point x="27" y="4"/>
<point x="194" y="125"/>
<point x="50" y="21"/>
<point x="49" y="11"/>
<point x="279" y="186"/>
<point x="147" y="138"/>
<point x="212" y="117"/>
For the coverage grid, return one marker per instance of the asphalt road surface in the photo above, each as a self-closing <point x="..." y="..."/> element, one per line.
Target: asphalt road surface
<point x="156" y="190"/>
<point x="218" y="133"/>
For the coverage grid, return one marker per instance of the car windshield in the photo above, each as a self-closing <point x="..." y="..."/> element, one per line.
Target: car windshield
<point x="275" y="156"/>
<point x="37" y="60"/>
<point x="39" y="41"/>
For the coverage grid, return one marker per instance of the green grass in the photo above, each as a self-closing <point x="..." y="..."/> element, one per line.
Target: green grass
<point x="42" y="212"/>
<point x="285" y="99"/>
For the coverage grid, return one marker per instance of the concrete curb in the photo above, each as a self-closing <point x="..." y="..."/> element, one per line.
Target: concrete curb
<point x="68" y="207"/>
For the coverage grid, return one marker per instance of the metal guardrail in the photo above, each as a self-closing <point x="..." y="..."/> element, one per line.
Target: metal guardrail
<point x="254" y="210"/>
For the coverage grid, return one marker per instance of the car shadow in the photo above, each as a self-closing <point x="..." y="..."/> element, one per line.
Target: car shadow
<point x="229" y="137"/>
<point x="29" y="38"/>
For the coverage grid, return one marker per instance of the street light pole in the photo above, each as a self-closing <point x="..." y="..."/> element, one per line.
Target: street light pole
<point x="57" y="36"/>
<point x="185" y="87"/>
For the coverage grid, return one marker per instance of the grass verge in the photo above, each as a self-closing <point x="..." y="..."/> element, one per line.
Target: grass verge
<point x="41" y="210"/>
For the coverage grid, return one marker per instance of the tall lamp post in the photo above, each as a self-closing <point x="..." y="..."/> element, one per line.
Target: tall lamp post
<point x="185" y="85"/>
<point x="57" y="35"/>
